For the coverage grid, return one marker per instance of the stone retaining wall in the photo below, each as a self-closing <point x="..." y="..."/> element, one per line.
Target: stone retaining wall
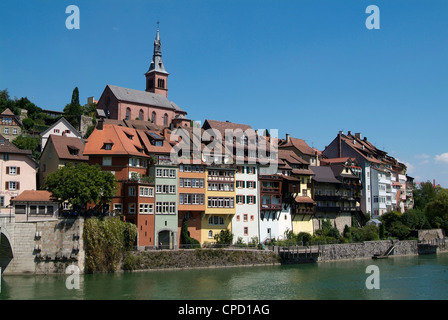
<point x="366" y="249"/>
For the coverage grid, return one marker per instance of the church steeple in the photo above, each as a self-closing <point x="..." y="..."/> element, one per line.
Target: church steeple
<point x="156" y="76"/>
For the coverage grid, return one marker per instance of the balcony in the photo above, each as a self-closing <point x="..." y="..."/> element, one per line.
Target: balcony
<point x="351" y="209"/>
<point x="327" y="209"/>
<point x="271" y="206"/>
<point x="270" y="190"/>
<point x="321" y="197"/>
<point x="306" y="210"/>
<point x="269" y="177"/>
<point x="220" y="179"/>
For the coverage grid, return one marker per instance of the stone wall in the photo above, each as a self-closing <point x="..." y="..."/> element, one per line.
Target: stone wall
<point x="43" y="247"/>
<point x="366" y="249"/>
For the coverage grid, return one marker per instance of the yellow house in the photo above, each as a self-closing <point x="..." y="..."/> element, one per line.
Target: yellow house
<point x="58" y="152"/>
<point x="220" y="201"/>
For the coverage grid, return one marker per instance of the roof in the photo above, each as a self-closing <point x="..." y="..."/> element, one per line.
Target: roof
<point x="7" y="147"/>
<point x="35" y="196"/>
<point x="67" y="124"/>
<point x="324" y="174"/>
<point x="125" y="141"/>
<point x="143" y="97"/>
<point x="221" y="126"/>
<point x="304" y="199"/>
<point x="7" y="112"/>
<point x="299" y="144"/>
<point x="290" y="156"/>
<point x="63" y="144"/>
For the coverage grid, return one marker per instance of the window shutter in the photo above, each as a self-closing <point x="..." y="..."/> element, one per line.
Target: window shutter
<point x="6" y="185"/>
<point x="18" y="170"/>
<point x="17" y="185"/>
<point x="7" y="170"/>
<point x="255" y="170"/>
<point x="255" y="184"/>
<point x="244" y="199"/>
<point x="243" y="184"/>
<point x="255" y="199"/>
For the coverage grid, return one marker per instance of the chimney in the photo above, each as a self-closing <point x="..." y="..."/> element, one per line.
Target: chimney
<point x="365" y="139"/>
<point x="288" y="138"/>
<point x="358" y="135"/>
<point x="349" y="133"/>
<point x="100" y="123"/>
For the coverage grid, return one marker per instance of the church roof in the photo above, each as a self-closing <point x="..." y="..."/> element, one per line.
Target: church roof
<point x="144" y="97"/>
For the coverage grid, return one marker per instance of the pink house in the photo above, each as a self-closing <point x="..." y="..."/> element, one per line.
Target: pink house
<point x="151" y="105"/>
<point x="18" y="173"/>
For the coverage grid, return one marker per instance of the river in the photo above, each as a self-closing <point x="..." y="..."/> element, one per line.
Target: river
<point x="402" y="278"/>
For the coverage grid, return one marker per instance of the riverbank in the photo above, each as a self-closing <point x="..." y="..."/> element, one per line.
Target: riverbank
<point x="197" y="258"/>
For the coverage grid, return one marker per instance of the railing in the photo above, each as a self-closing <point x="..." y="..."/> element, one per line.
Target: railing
<point x="270" y="190"/>
<point x="269" y="177"/>
<point x="271" y="206"/>
<point x="222" y="179"/>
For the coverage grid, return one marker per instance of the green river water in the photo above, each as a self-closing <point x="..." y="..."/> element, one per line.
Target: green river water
<point x="402" y="278"/>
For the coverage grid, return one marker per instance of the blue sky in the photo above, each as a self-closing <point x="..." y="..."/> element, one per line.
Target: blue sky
<point x="307" y="68"/>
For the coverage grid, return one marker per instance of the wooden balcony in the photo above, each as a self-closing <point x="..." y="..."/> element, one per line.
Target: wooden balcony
<point x="271" y="206"/>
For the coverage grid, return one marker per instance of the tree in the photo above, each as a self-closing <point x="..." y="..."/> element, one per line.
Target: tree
<point x="437" y="209"/>
<point x="73" y="110"/>
<point x="82" y="184"/>
<point x="423" y="194"/>
<point x="28" y="143"/>
<point x="224" y="237"/>
<point x="184" y="235"/>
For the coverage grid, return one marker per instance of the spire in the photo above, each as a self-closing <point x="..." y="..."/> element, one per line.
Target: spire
<point x="157" y="62"/>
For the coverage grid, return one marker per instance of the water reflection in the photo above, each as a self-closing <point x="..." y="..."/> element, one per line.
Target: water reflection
<point x="424" y="277"/>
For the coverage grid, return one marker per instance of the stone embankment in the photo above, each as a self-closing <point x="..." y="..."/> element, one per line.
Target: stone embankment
<point x="198" y="258"/>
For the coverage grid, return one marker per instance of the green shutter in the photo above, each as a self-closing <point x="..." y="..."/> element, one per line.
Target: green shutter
<point x="255" y="199"/>
<point x="244" y="199"/>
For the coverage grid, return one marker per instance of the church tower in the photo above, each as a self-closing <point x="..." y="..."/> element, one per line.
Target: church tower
<point x="156" y="76"/>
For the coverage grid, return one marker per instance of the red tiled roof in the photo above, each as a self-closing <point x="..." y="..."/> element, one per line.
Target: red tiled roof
<point x="305" y="199"/>
<point x="35" y="196"/>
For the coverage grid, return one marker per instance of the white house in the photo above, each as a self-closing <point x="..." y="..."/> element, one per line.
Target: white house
<point x="245" y="220"/>
<point x="61" y="128"/>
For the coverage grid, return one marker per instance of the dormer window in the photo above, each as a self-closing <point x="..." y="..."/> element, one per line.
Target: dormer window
<point x="108" y="146"/>
<point x="73" y="151"/>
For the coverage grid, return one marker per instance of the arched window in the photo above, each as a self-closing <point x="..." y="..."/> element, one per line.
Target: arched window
<point x="161" y="83"/>
<point x="140" y="115"/>
<point x="153" y="117"/>
<point x="128" y="114"/>
<point x="210" y="234"/>
<point x="165" y="120"/>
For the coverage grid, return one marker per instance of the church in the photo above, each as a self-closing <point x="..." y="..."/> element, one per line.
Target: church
<point x="118" y="103"/>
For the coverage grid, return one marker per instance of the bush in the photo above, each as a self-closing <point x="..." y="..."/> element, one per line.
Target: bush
<point x="399" y="230"/>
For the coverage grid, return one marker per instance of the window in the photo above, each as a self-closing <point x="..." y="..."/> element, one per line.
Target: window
<point x="215" y="220"/>
<point x="12" y="185"/>
<point x="5" y="156"/>
<point x="107" y="161"/>
<point x="245" y="217"/>
<point x="161" y="83"/>
<point x="166" y="207"/>
<point x="165" y="119"/>
<point x="118" y="207"/>
<point x="246" y="231"/>
<point x="108" y="146"/>
<point x="128" y="114"/>
<point x="153" y="117"/>
<point x="20" y="209"/>
<point x="132" y="208"/>
<point x="146" y="192"/>
<point x="140" y="115"/>
<point x="14" y="131"/>
<point x="210" y="234"/>
<point x="131" y="191"/>
<point x="6" y="130"/>
<point x="146" y="208"/>
<point x="56" y="130"/>
<point x="2" y="201"/>
<point x="12" y="170"/>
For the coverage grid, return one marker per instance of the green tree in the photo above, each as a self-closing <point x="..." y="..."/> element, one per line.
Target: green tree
<point x="82" y="184"/>
<point x="185" y="237"/>
<point x="73" y="110"/>
<point x="423" y="194"/>
<point x="28" y="143"/>
<point x="224" y="237"/>
<point x="437" y="209"/>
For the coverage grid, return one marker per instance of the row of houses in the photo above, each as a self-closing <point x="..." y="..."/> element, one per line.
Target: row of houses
<point x="216" y="176"/>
